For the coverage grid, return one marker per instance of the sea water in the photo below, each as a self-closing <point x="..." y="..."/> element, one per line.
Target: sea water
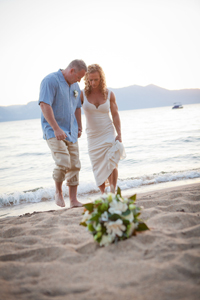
<point x="162" y="147"/>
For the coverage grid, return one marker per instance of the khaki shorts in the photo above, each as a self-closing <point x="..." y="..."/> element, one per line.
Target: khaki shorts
<point x="66" y="157"/>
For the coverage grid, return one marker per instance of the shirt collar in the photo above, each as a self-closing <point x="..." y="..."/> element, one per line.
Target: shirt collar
<point x="61" y="77"/>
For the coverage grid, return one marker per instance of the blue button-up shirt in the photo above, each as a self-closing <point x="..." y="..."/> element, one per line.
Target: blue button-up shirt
<point x="56" y="92"/>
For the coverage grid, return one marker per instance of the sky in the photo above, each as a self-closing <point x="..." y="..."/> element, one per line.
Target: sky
<point x="136" y="42"/>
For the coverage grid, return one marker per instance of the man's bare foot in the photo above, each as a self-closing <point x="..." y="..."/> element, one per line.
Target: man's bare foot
<point x="75" y="203"/>
<point x="59" y="199"/>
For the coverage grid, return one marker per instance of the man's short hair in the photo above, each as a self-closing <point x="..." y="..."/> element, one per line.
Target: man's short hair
<point x="78" y="65"/>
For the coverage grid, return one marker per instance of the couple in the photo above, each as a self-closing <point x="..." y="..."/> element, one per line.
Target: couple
<point x="60" y="101"/>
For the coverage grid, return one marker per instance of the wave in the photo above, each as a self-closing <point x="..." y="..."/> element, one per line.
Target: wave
<point x="41" y="194"/>
<point x="158" y="178"/>
<point x="44" y="194"/>
<point x="32" y="154"/>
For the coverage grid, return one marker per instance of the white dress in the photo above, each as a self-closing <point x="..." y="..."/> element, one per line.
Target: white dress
<point x="103" y="150"/>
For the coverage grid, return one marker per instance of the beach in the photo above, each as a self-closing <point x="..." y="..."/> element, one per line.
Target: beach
<point x="48" y="255"/>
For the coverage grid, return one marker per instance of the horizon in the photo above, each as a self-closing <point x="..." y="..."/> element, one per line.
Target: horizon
<point x="134" y="44"/>
<point x="114" y="89"/>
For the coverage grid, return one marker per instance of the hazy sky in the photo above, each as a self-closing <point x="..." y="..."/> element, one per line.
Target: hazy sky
<point x="135" y="41"/>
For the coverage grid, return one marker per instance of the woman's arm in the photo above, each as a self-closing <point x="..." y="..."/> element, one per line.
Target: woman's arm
<point x="78" y="118"/>
<point x="115" y="116"/>
<point x="81" y="96"/>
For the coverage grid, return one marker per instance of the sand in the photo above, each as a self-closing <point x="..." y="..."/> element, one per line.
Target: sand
<point x="47" y="255"/>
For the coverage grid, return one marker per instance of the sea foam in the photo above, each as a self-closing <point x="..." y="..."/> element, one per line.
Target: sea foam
<point x="88" y="188"/>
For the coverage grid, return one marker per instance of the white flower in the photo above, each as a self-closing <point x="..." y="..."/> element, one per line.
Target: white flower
<point x="104" y="216"/>
<point x="129" y="217"/>
<point x="103" y="197"/>
<point x="117" y="207"/>
<point x="106" y="240"/>
<point x="86" y="216"/>
<point x="125" y="200"/>
<point x="75" y="93"/>
<point x="115" y="228"/>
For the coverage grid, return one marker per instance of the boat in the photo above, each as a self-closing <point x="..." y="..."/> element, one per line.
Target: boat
<point x="177" y="105"/>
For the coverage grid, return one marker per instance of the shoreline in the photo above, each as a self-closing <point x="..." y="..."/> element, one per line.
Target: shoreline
<point x="48" y="254"/>
<point x="43" y="206"/>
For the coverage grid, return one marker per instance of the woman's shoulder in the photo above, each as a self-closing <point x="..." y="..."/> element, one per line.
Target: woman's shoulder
<point x="110" y="94"/>
<point x="109" y="91"/>
<point x="82" y="96"/>
<point x="83" y="92"/>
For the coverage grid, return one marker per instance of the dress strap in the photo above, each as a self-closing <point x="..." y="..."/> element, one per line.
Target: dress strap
<point x="109" y="95"/>
<point x="84" y="96"/>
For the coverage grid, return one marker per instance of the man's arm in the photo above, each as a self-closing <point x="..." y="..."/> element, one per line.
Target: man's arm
<point x="115" y="116"/>
<point x="78" y="118"/>
<point x="49" y="116"/>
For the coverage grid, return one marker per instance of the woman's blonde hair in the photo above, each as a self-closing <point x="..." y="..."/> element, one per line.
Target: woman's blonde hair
<point x="92" y="69"/>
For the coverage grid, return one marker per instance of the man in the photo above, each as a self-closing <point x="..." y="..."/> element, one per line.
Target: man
<point x="61" y="124"/>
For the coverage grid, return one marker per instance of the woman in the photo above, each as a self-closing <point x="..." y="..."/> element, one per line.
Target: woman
<point x="104" y="146"/>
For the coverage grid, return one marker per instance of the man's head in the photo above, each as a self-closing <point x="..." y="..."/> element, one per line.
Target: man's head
<point x="75" y="71"/>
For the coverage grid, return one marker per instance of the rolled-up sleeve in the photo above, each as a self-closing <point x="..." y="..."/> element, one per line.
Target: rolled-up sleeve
<point x="47" y="91"/>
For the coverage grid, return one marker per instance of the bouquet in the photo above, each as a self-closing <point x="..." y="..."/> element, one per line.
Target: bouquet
<point x="112" y="218"/>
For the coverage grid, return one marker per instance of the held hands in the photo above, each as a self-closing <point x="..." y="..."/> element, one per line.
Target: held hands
<point x="79" y="132"/>
<point x="118" y="138"/>
<point x="60" y="134"/>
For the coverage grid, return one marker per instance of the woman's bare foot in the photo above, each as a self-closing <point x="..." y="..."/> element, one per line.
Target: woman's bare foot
<point x="102" y="188"/>
<point x="112" y="189"/>
<point x="59" y="199"/>
<point x="75" y="203"/>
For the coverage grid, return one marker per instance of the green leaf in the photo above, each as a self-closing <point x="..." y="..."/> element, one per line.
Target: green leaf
<point x="133" y="197"/>
<point x="126" y="213"/>
<point x="91" y="228"/>
<point x="125" y="235"/>
<point x="119" y="191"/>
<point x="95" y="217"/>
<point x="99" y="239"/>
<point x="103" y="207"/>
<point x="104" y="229"/>
<point x="126" y="222"/>
<point x="89" y="206"/>
<point x="98" y="201"/>
<point x="114" y="217"/>
<point x="83" y="224"/>
<point x="109" y="215"/>
<point x="136" y="214"/>
<point x="142" y="226"/>
<point x="98" y="235"/>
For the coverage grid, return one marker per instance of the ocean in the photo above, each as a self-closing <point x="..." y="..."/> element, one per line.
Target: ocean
<point x="162" y="150"/>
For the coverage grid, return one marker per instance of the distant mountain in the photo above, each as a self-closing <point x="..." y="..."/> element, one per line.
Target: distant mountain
<point x="137" y="97"/>
<point x="20" y="112"/>
<point x="131" y="97"/>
